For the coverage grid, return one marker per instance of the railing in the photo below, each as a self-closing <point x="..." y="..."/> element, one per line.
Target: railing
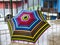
<point x="12" y="0"/>
<point x="49" y="10"/>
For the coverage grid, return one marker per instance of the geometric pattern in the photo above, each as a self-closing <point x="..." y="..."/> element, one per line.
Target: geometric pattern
<point x="26" y="20"/>
<point x="27" y="26"/>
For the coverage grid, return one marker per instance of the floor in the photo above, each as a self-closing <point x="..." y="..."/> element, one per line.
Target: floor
<point x="47" y="38"/>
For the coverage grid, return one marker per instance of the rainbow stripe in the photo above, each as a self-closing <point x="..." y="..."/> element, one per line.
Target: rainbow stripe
<point x="24" y="32"/>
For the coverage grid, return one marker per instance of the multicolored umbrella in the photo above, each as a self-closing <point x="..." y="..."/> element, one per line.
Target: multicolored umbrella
<point x="27" y="26"/>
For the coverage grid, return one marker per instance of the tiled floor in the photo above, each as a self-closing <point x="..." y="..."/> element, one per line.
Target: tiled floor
<point x="4" y="33"/>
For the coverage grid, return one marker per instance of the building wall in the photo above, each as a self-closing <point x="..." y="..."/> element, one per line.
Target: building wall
<point x="55" y="4"/>
<point x="58" y="6"/>
<point x="16" y="7"/>
<point x="1" y="5"/>
<point x="41" y="3"/>
<point x="5" y="9"/>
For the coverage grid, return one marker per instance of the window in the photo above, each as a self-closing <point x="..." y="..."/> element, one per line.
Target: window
<point x="45" y="4"/>
<point x="50" y="4"/>
<point x="6" y="5"/>
<point x="26" y="1"/>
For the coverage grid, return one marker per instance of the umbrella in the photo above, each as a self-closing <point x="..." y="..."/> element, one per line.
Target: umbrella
<point x="27" y="26"/>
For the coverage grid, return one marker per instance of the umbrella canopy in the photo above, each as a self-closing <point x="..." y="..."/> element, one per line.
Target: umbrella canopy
<point x="27" y="26"/>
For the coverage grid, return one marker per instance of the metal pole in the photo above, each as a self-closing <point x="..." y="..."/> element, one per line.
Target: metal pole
<point x="16" y="7"/>
<point x="4" y="9"/>
<point x="22" y="4"/>
<point x="33" y="4"/>
<point x="28" y="4"/>
<point x="38" y="5"/>
<point x="11" y="7"/>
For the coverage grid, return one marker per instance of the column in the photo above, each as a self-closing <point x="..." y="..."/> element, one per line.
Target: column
<point x="58" y="7"/>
